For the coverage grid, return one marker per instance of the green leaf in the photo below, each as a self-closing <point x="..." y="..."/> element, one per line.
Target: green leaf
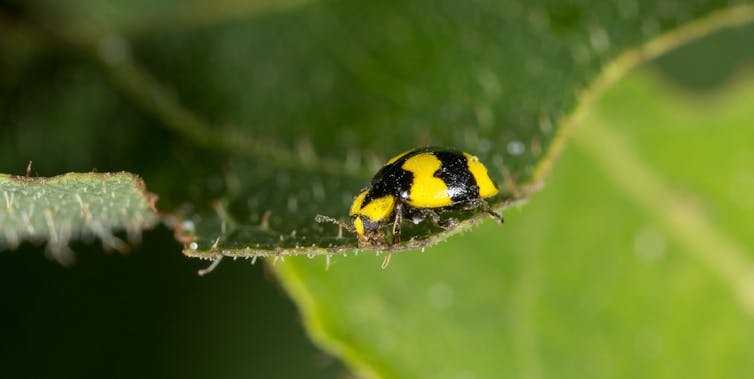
<point x="250" y="123"/>
<point x="637" y="260"/>
<point x="61" y="208"/>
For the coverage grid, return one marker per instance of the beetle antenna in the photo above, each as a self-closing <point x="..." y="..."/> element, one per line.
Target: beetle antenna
<point x="322" y="219"/>
<point x="496" y="216"/>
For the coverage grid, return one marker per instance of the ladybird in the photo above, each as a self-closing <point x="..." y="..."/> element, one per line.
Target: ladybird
<point x="417" y="184"/>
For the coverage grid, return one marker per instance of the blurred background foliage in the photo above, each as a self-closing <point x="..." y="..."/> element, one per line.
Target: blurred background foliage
<point x="635" y="260"/>
<point x="149" y="314"/>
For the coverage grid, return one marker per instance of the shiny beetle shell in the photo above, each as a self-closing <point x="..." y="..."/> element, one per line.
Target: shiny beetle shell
<point x="417" y="183"/>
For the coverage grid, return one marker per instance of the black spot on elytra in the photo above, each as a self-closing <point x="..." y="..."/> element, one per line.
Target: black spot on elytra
<point x="454" y="171"/>
<point x="392" y="179"/>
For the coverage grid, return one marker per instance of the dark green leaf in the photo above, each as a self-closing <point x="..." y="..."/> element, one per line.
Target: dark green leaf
<point x="251" y="122"/>
<point x="60" y="208"/>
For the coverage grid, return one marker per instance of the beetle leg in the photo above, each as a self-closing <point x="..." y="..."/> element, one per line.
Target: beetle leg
<point x="496" y="216"/>
<point x="397" y="223"/>
<point x="435" y="218"/>
<point x="486" y="208"/>
<point x="481" y="204"/>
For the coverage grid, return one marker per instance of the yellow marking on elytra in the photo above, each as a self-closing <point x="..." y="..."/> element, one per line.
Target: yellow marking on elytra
<point x="487" y="187"/>
<point x="378" y="209"/>
<point x="359" y="226"/>
<point x="356" y="205"/>
<point x="427" y="191"/>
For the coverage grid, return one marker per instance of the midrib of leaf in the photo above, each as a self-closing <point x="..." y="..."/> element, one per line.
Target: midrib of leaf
<point x="155" y="98"/>
<point x="732" y="267"/>
<point x="682" y="220"/>
<point x="187" y="15"/>
<point x="144" y="89"/>
<point x="616" y="69"/>
<point x="202" y="13"/>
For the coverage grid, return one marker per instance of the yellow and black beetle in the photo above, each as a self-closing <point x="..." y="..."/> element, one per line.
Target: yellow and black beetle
<point x="416" y="184"/>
